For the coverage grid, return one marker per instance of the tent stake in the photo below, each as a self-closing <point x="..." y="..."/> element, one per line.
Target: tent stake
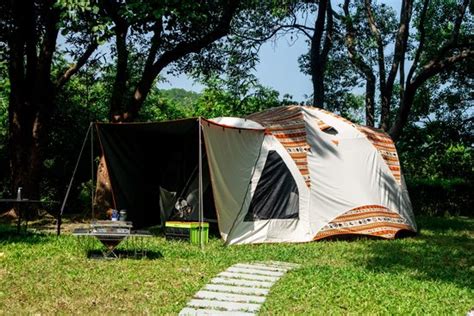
<point x="60" y="214"/>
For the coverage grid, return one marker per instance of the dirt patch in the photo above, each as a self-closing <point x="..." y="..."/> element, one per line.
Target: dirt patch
<point x="48" y="223"/>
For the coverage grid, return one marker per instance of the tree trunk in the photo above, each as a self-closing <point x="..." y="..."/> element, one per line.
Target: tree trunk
<point x="320" y="49"/>
<point x="29" y="111"/>
<point x="364" y="68"/>
<point x="119" y="90"/>
<point x="32" y="37"/>
<point x="370" y="99"/>
<point x="399" y="54"/>
<point x="318" y="86"/>
<point x="403" y="112"/>
<point x="27" y="87"/>
<point x="25" y="154"/>
<point x="104" y="200"/>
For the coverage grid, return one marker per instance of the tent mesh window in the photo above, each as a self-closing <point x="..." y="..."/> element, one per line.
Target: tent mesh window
<point x="276" y="195"/>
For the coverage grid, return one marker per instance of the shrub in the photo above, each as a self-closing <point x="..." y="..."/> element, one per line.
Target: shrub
<point x="440" y="197"/>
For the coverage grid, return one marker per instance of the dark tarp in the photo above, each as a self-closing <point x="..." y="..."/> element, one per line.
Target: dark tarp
<point x="142" y="157"/>
<point x="276" y="195"/>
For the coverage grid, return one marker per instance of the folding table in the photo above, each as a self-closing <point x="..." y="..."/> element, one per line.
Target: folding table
<point x="111" y="234"/>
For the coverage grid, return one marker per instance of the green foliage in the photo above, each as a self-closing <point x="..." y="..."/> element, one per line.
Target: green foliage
<point x="4" y="97"/>
<point x="162" y="105"/>
<point x="182" y="97"/>
<point x="439" y="24"/>
<point x="456" y="162"/>
<point x="218" y="100"/>
<point x="428" y="274"/>
<point x="85" y="196"/>
<point x="438" y="197"/>
<point x="82" y="101"/>
<point x="438" y="150"/>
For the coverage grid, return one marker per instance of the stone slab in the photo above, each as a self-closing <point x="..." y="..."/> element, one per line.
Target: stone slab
<point x="201" y="312"/>
<point x="238" y="282"/>
<point x="226" y="306"/>
<point x="229" y="297"/>
<point x="236" y="289"/>
<point x="256" y="270"/>
<point x="248" y="276"/>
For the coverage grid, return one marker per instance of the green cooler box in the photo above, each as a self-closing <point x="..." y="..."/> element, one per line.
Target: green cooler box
<point x="188" y="231"/>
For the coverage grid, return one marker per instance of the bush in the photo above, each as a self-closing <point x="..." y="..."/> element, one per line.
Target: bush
<point x="440" y="197"/>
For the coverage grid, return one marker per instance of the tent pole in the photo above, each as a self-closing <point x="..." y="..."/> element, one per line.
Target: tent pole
<point x="92" y="171"/>
<point x="201" y="213"/>
<point x="60" y="214"/>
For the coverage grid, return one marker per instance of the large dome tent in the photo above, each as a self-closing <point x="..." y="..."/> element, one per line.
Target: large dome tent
<point x="304" y="174"/>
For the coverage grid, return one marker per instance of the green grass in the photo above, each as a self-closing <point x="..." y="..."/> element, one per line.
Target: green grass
<point x="432" y="273"/>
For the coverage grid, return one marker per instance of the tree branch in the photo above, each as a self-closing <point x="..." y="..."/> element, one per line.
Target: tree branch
<point x="431" y="69"/>
<point x="457" y="23"/>
<point x="267" y="37"/>
<point x="74" y="68"/>
<point x="317" y="59"/>
<point x="155" y="44"/>
<point x="48" y="46"/>
<point x="399" y="53"/>
<point x="378" y="38"/>
<point x="180" y="50"/>
<point x="302" y="28"/>
<point x="436" y="66"/>
<point x="421" y="43"/>
<point x="360" y="65"/>
<point x="400" y="44"/>
<point x="329" y="32"/>
<point x="121" y="76"/>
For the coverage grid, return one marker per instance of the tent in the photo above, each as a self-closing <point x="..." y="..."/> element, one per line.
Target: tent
<point x="287" y="174"/>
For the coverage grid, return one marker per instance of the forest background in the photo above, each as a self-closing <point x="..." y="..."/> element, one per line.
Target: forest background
<point x="405" y="67"/>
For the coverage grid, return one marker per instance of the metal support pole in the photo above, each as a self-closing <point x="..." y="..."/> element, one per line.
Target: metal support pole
<point x="201" y="211"/>
<point x="92" y="171"/>
<point x="60" y="214"/>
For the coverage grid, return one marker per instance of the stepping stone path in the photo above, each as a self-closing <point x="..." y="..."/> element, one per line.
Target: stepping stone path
<point x="240" y="290"/>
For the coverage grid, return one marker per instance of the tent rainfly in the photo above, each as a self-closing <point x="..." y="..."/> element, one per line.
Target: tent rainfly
<point x="287" y="174"/>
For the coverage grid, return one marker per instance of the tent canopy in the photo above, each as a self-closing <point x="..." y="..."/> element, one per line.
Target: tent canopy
<point x="142" y="157"/>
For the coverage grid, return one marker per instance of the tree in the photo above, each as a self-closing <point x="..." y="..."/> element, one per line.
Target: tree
<point x="437" y="142"/>
<point x="150" y="36"/>
<point x="439" y="49"/>
<point x="29" y="35"/>
<point x="292" y="19"/>
<point x="440" y="41"/>
<point x="358" y="40"/>
<point x="321" y="41"/>
<point x="230" y="98"/>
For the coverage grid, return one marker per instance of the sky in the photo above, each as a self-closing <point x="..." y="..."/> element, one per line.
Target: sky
<point x="278" y="67"/>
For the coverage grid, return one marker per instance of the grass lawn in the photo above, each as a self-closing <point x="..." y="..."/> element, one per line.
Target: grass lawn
<point x="432" y="273"/>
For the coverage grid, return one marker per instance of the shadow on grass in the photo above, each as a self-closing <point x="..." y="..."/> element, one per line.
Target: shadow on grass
<point x="442" y="224"/>
<point x="9" y="235"/>
<point x="432" y="255"/>
<point x="125" y="254"/>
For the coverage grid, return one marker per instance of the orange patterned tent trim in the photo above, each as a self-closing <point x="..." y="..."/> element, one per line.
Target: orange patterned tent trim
<point x="385" y="147"/>
<point x="287" y="125"/>
<point x="381" y="141"/>
<point x="367" y="220"/>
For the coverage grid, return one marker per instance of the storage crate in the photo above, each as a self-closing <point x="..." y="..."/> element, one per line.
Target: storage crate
<point x="188" y="231"/>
